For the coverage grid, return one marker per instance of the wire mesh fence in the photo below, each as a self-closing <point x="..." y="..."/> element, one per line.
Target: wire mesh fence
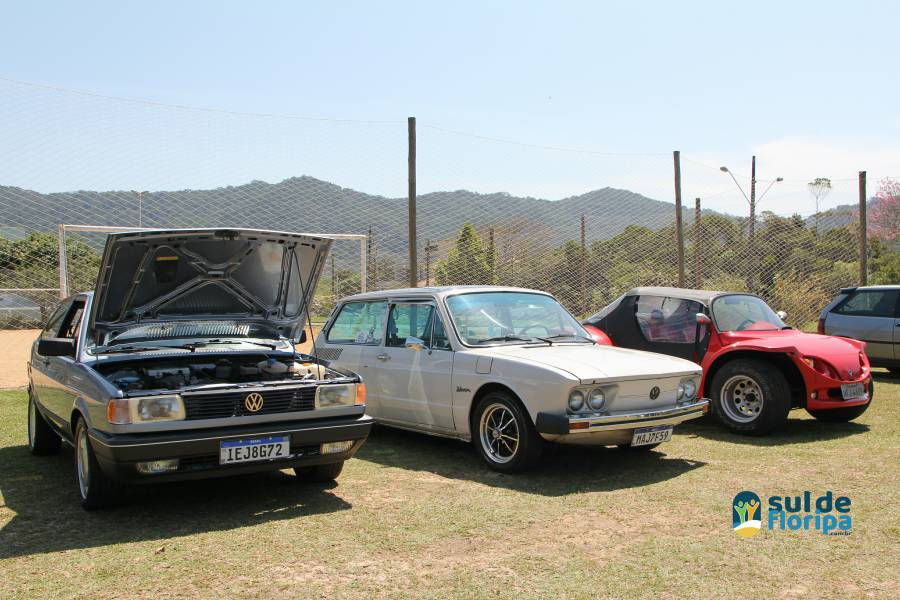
<point x="585" y="225"/>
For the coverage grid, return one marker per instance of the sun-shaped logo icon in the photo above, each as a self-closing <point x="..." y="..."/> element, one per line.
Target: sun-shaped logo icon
<point x="253" y="402"/>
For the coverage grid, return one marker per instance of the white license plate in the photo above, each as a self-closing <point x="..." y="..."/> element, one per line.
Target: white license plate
<point x="254" y="449"/>
<point x="651" y="435"/>
<point x="852" y="390"/>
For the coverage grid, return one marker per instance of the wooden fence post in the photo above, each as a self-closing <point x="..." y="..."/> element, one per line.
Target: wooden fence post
<point x="413" y="265"/>
<point x="863" y="232"/>
<point x="679" y="233"/>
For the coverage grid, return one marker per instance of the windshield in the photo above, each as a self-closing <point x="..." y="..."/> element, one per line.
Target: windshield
<point x="498" y="317"/>
<point x="737" y="312"/>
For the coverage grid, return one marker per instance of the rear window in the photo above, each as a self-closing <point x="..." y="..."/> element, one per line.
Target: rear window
<point x="870" y="303"/>
<point x="358" y="323"/>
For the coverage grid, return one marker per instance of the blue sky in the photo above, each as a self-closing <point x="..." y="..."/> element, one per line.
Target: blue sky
<point x="811" y="87"/>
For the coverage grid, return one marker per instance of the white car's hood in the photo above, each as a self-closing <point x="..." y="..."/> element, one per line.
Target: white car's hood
<point x="592" y="362"/>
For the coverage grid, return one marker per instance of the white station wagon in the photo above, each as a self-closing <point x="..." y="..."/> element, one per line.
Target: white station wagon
<point x="506" y="368"/>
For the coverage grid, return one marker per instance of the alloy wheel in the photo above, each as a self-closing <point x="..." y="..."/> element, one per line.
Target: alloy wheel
<point x="499" y="433"/>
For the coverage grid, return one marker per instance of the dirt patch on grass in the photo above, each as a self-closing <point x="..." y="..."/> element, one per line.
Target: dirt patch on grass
<point x="15" y="346"/>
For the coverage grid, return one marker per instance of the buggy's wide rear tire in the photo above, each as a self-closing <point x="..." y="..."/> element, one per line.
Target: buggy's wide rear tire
<point x="750" y="396"/>
<point x="503" y="433"/>
<point x="42" y="440"/>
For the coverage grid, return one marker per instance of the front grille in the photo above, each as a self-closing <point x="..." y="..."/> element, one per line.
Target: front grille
<point x="218" y="405"/>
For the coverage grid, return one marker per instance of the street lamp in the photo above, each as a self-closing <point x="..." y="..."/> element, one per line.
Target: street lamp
<point x="752" y="201"/>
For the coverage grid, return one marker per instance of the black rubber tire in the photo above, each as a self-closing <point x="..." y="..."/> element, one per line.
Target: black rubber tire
<point x="530" y="445"/>
<point x="320" y="473"/>
<point x="844" y="415"/>
<point x="894" y="371"/>
<point x="42" y="440"/>
<point x="644" y="448"/>
<point x="775" y="391"/>
<point x="101" y="490"/>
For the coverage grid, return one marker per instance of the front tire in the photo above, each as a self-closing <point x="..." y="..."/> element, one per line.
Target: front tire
<point x="750" y="397"/>
<point x="504" y="435"/>
<point x="320" y="473"/>
<point x="894" y="371"/>
<point x="42" y="440"/>
<point x="844" y="415"/>
<point x="95" y="488"/>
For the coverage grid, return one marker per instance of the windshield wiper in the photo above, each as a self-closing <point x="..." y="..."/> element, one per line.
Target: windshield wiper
<point x="220" y="341"/>
<point x="508" y="338"/>
<point x="567" y="335"/>
<point x="121" y="349"/>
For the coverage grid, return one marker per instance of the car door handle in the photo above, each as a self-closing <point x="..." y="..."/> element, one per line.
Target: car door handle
<point x="383" y="356"/>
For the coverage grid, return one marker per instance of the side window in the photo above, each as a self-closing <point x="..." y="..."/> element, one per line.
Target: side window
<point x="408" y="320"/>
<point x="869" y="303"/>
<point x="439" y="339"/>
<point x="52" y="327"/>
<point x="71" y="325"/>
<point x="358" y="323"/>
<point x="664" y="319"/>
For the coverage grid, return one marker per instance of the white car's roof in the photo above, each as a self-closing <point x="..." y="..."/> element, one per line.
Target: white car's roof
<point x="435" y="292"/>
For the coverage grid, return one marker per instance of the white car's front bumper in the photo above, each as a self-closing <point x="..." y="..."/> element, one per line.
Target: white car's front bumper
<point x="616" y="428"/>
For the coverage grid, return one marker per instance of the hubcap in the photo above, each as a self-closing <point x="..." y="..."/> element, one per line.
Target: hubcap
<point x="742" y="399"/>
<point x="82" y="463"/>
<point x="32" y="422"/>
<point x="499" y="433"/>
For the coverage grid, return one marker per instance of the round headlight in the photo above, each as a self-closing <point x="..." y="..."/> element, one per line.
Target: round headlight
<point x="576" y="400"/>
<point x="680" y="393"/>
<point x="596" y="399"/>
<point x="690" y="388"/>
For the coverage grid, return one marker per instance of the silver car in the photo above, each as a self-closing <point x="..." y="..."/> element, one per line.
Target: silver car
<point x="181" y="365"/>
<point x="870" y="314"/>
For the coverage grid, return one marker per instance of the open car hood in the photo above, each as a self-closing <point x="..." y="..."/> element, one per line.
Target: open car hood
<point x="202" y="275"/>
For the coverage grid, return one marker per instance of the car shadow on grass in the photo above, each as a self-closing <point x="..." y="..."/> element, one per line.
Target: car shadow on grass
<point x="41" y="492"/>
<point x="795" y="431"/>
<point x="561" y="469"/>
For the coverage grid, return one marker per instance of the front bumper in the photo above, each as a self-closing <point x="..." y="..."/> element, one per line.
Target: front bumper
<point x="198" y="449"/>
<point x="824" y="392"/>
<point x="614" y="428"/>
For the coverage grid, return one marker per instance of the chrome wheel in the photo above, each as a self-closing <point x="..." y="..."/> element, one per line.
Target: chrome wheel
<point x="741" y="399"/>
<point x="32" y="423"/>
<point x="499" y="433"/>
<point x="82" y="462"/>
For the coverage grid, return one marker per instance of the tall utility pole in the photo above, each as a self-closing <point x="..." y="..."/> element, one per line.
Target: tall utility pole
<point x="679" y="233"/>
<point x="752" y="204"/>
<point x="140" y="199"/>
<point x="429" y="248"/>
<point x="413" y="275"/>
<point x="333" y="284"/>
<point x="582" y="271"/>
<point x="698" y="235"/>
<point x="863" y="232"/>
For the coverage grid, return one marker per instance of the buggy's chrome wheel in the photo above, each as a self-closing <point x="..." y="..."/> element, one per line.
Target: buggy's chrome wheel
<point x="32" y="423"/>
<point x="499" y="433"/>
<point x="82" y="462"/>
<point x="741" y="399"/>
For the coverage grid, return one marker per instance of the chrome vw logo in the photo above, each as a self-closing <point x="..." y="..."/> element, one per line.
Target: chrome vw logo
<point x="654" y="393"/>
<point x="253" y="402"/>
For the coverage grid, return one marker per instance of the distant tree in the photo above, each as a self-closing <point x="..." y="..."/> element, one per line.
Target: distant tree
<point x="884" y="220"/>
<point x="819" y="188"/>
<point x="466" y="263"/>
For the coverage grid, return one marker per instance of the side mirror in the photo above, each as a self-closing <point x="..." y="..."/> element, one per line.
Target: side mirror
<point x="302" y="338"/>
<point x="414" y="343"/>
<point x="781" y="315"/>
<point x="56" y="347"/>
<point x="703" y="319"/>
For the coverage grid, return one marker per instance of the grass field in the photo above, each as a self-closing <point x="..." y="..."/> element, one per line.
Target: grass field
<point x="414" y="516"/>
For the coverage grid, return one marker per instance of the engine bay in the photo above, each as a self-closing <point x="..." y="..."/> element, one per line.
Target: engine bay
<point x="177" y="374"/>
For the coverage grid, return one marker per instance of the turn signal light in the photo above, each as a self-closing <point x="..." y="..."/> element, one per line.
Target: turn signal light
<point x="360" y="394"/>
